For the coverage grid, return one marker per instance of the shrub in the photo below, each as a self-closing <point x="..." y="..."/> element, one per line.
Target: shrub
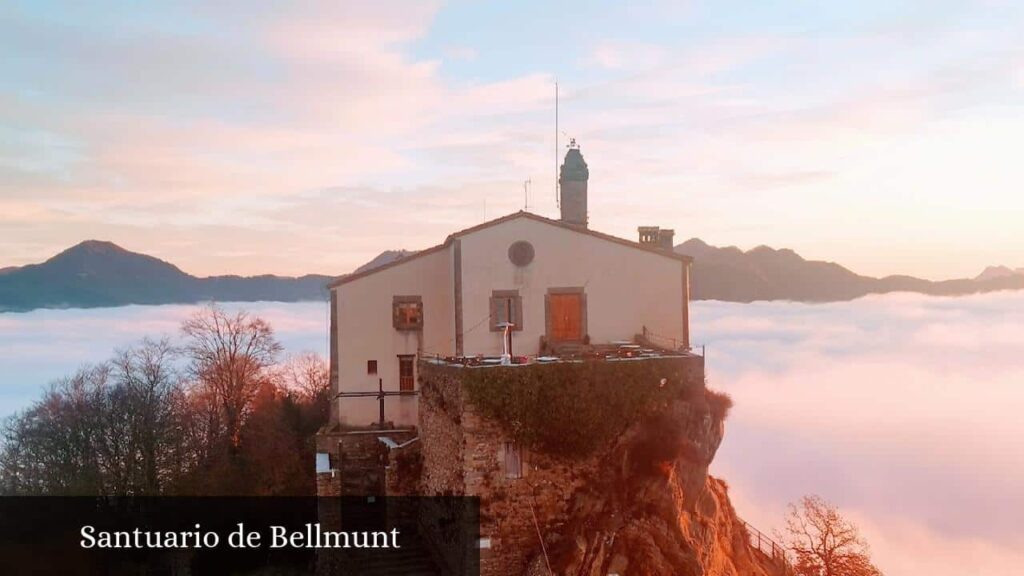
<point x="661" y="442"/>
<point x="719" y="403"/>
<point x="570" y="409"/>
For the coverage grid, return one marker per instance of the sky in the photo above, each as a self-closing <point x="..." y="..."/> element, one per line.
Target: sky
<point x="902" y="409"/>
<point x="267" y="137"/>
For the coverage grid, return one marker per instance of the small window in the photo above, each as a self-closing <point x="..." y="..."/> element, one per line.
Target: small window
<point x="407" y="312"/>
<point x="371" y="366"/>
<point x="513" y="460"/>
<point x="406" y="374"/>
<point x="506" y="306"/>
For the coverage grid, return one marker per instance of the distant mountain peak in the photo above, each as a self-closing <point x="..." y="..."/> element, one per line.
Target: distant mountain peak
<point x="382" y="259"/>
<point x="96" y="247"/>
<point x="91" y="248"/>
<point x="101" y="273"/>
<point x="693" y="242"/>
<point x="994" y="272"/>
<point x="105" y="260"/>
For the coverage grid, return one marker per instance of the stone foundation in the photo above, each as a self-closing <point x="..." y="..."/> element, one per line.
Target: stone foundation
<point x="463" y="453"/>
<point x="637" y="501"/>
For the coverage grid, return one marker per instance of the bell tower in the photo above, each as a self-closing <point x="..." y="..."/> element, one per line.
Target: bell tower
<point x="572" y="181"/>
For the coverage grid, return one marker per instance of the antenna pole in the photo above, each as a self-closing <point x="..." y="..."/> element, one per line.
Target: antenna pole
<point x="556" y="144"/>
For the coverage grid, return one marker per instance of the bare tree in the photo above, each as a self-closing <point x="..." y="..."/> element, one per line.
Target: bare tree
<point x="309" y="376"/>
<point x="51" y="448"/>
<point x="230" y="355"/>
<point x="135" y="426"/>
<point x="147" y="382"/>
<point x="823" y="543"/>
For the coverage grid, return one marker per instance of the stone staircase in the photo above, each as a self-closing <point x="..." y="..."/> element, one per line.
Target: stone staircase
<point x="361" y="469"/>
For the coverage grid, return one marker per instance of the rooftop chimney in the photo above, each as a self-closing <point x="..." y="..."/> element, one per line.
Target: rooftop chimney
<point x="657" y="237"/>
<point x="572" y="182"/>
<point x="649" y="234"/>
<point x="665" y="237"/>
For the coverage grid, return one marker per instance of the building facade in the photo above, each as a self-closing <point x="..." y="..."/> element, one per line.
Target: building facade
<point x="522" y="284"/>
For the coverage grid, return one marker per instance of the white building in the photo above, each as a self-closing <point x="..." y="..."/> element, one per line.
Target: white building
<point x="561" y="284"/>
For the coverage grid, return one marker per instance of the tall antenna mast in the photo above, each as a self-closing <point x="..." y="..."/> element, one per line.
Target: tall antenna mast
<point x="557" y="204"/>
<point x="526" y="194"/>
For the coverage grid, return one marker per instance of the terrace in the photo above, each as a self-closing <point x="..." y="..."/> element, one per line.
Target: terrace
<point x="645" y="345"/>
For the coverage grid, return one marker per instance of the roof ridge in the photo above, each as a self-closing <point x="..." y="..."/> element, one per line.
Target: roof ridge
<point x="500" y="220"/>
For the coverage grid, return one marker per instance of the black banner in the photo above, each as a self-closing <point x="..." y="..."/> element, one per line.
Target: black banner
<point x="224" y="535"/>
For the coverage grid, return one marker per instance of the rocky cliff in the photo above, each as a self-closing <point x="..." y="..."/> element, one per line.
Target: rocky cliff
<point x="615" y="467"/>
<point x="655" y="510"/>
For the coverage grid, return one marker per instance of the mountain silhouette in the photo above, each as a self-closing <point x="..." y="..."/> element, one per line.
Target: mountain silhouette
<point x="385" y="257"/>
<point x="765" y="273"/>
<point x="993" y="272"/>
<point x="96" y="273"/>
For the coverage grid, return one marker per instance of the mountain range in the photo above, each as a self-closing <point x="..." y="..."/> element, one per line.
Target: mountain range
<point x="765" y="273"/>
<point x="96" y="273"/>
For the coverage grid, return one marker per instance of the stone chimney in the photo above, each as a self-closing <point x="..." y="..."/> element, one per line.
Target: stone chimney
<point x="665" y="237"/>
<point x="572" y="182"/>
<point x="657" y="237"/>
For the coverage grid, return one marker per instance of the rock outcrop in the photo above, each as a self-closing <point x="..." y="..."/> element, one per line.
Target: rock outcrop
<point x="587" y="468"/>
<point x="655" y="510"/>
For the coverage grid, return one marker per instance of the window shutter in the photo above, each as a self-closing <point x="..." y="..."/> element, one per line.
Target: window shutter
<point x="500" y="301"/>
<point x="517" y="311"/>
<point x="494" y="312"/>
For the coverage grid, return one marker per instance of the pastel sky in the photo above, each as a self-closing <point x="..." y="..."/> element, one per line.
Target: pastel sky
<point x="251" y="137"/>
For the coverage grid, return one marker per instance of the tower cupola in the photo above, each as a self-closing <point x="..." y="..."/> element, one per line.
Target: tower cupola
<point x="572" y="181"/>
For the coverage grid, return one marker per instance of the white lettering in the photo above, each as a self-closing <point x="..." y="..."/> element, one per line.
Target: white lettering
<point x="87" y="533"/>
<point x="277" y="537"/>
<point x="140" y="540"/>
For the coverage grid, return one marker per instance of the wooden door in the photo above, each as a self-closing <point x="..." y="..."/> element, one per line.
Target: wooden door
<point x="406" y="373"/>
<point x="566" y="317"/>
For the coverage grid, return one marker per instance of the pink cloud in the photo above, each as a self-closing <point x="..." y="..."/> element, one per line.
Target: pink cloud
<point x="869" y="405"/>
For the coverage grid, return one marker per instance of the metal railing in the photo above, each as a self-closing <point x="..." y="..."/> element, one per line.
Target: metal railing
<point x="764" y="544"/>
<point x="643" y="344"/>
<point x="667" y="342"/>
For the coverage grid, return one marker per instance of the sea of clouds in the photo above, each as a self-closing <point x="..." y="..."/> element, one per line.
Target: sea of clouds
<point x="904" y="410"/>
<point x="43" y="345"/>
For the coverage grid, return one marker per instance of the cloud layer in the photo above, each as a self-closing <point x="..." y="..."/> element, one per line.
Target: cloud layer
<point x="41" y="346"/>
<point x="903" y="410"/>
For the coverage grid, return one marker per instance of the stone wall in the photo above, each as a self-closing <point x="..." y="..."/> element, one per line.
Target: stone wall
<point x="463" y="454"/>
<point x="514" y="510"/>
<point x="403" y="470"/>
<point x="442" y="453"/>
<point x="358" y="460"/>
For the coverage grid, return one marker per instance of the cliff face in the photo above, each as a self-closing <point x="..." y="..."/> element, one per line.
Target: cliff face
<point x="615" y="467"/>
<point x="654" y="509"/>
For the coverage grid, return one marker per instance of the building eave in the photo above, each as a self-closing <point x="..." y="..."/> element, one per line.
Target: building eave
<point x="521" y="214"/>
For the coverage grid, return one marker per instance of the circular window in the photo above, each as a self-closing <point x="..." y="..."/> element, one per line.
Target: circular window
<point x="520" y="253"/>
